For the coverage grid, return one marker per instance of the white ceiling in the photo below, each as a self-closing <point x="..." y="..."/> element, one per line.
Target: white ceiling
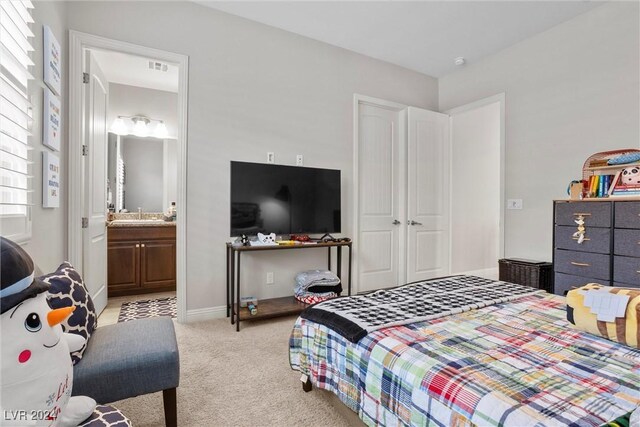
<point x="134" y="71"/>
<point x="424" y="36"/>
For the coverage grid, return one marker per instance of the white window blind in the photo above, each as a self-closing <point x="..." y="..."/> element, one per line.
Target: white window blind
<point x="15" y="118"/>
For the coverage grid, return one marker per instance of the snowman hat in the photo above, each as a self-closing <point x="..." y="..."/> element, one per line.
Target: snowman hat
<point x="17" y="277"/>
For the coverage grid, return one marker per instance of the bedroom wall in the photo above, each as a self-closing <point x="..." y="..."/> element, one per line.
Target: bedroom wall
<point x="570" y="92"/>
<point x="48" y="244"/>
<point x="253" y="89"/>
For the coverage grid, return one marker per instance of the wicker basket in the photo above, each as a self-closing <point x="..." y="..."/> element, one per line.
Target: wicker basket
<point x="537" y="274"/>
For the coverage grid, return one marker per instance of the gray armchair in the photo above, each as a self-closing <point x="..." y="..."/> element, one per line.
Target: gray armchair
<point x="130" y="359"/>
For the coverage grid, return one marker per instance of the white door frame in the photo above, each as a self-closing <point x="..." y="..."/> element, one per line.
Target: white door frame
<point x="499" y="98"/>
<point x="402" y="109"/>
<point x="78" y="42"/>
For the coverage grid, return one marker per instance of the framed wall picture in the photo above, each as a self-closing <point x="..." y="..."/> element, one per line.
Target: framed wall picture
<point x="51" y="121"/>
<point x="52" y="61"/>
<point x="50" y="180"/>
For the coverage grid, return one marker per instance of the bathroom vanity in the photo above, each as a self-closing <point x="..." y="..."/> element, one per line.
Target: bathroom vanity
<point x="141" y="257"/>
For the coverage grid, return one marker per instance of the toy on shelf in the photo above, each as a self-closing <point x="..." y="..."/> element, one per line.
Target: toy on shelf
<point x="265" y="240"/>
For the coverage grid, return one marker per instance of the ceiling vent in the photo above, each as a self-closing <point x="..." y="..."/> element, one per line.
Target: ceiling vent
<point x="158" y="66"/>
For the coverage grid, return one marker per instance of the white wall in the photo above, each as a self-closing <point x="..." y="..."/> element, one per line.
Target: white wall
<point x="253" y="89"/>
<point x="475" y="189"/>
<point x="570" y="92"/>
<point x="48" y="245"/>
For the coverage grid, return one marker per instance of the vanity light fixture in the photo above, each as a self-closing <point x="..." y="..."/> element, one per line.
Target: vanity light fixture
<point x="118" y="127"/>
<point x="140" y="127"/>
<point x="161" y="130"/>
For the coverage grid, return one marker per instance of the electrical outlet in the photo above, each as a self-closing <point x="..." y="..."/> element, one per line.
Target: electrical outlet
<point x="514" y="204"/>
<point x="271" y="157"/>
<point x="299" y="160"/>
<point x="270" y="278"/>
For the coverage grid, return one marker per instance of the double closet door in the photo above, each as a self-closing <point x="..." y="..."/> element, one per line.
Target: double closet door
<point x="402" y="179"/>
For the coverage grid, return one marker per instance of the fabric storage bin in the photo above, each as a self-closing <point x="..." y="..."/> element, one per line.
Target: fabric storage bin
<point x="627" y="215"/>
<point x="626" y="270"/>
<point x="596" y="214"/>
<point x="537" y="274"/>
<point x="597" y="240"/>
<point x="627" y="242"/>
<point x="583" y="264"/>
<point x="565" y="282"/>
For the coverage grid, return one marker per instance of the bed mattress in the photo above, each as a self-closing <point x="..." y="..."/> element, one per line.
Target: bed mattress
<point x="517" y="363"/>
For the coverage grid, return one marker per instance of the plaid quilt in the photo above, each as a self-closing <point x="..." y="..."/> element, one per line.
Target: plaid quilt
<point x="516" y="363"/>
<point x="356" y="316"/>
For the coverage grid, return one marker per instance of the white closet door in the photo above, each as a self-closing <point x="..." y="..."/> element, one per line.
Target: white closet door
<point x="427" y="195"/>
<point x="95" y="199"/>
<point x="379" y="197"/>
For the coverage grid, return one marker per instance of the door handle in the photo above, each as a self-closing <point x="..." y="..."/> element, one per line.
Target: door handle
<point x="396" y="222"/>
<point x="412" y="222"/>
<point x="580" y="264"/>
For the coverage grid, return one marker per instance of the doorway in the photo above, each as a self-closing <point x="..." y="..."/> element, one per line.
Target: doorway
<point x="401" y="179"/>
<point x="101" y="135"/>
<point x="477" y="187"/>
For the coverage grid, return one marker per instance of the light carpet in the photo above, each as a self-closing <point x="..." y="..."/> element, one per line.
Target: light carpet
<point x="230" y="378"/>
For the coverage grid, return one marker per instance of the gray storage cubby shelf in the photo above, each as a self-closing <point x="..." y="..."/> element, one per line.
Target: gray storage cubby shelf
<point x="610" y="253"/>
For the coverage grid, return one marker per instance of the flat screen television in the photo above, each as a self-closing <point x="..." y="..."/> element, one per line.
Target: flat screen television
<point x="279" y="199"/>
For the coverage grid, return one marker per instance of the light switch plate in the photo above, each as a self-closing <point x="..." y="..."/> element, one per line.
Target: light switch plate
<point x="514" y="204"/>
<point x="270" y="278"/>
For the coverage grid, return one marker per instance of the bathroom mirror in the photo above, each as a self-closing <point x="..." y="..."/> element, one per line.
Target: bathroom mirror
<point x="141" y="173"/>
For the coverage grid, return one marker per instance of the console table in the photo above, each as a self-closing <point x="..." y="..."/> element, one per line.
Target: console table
<point x="272" y="307"/>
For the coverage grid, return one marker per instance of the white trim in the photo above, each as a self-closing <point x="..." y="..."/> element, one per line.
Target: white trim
<point x="78" y="42"/>
<point x="376" y="102"/>
<point x="208" y="313"/>
<point x="499" y="98"/>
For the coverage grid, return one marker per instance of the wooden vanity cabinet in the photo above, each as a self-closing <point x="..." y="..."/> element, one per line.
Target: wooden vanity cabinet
<point x="141" y="260"/>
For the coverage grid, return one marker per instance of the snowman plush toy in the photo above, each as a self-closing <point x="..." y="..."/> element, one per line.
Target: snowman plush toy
<point x="36" y="372"/>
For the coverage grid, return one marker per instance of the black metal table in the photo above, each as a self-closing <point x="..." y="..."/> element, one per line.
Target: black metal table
<point x="273" y="307"/>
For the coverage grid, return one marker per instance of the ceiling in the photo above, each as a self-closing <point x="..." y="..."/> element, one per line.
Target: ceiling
<point x="425" y="36"/>
<point x="134" y="71"/>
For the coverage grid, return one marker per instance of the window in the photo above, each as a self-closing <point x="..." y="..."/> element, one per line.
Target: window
<point x="15" y="119"/>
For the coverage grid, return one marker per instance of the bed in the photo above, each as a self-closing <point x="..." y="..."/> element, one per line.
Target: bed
<point x="511" y="361"/>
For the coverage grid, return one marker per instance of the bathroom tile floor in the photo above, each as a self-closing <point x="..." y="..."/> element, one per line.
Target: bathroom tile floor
<point x="109" y="315"/>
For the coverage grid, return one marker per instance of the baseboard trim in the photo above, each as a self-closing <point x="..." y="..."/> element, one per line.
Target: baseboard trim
<point x="207" y="313"/>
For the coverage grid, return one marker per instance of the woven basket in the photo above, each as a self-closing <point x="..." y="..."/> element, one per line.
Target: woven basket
<point x="536" y="274"/>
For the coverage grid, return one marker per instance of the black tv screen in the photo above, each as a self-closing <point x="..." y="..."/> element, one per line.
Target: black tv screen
<point x="267" y="198"/>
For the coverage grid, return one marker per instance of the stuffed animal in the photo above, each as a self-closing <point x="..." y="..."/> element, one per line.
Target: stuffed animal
<point x="35" y="364"/>
<point x="631" y="176"/>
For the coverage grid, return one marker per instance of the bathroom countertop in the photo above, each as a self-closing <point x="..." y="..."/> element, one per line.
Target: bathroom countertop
<point x="141" y="223"/>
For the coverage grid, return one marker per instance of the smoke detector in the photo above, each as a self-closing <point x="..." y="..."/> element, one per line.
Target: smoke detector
<point x="459" y="61"/>
<point x="158" y="66"/>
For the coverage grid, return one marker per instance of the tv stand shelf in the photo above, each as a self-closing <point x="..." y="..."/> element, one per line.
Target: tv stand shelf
<point x="272" y="307"/>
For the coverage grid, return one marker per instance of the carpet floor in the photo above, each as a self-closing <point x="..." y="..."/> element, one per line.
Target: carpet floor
<point x="230" y="378"/>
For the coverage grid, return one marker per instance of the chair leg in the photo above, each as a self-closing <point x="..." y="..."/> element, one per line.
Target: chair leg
<point x="170" y="407"/>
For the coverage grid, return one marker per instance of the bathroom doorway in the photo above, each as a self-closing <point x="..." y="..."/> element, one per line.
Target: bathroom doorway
<point x="128" y="123"/>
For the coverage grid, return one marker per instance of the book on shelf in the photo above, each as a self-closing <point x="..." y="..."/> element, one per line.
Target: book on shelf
<point x="600" y="185"/>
